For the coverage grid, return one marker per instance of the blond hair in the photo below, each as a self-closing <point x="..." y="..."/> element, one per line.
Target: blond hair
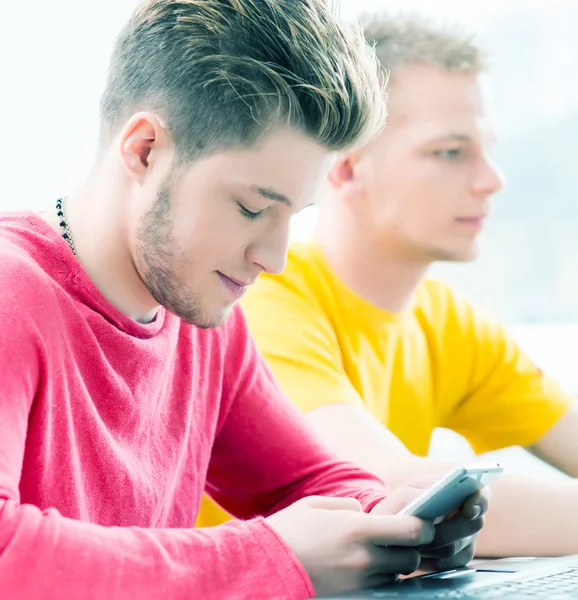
<point x="409" y="38"/>
<point x="221" y="72"/>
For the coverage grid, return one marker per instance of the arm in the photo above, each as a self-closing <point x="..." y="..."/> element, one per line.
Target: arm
<point x="527" y="517"/>
<point x="43" y="554"/>
<point x="559" y="446"/>
<point x="355" y="435"/>
<point x="511" y="402"/>
<point x="301" y="347"/>
<point x="541" y="513"/>
<point x="506" y="400"/>
<point x="265" y="456"/>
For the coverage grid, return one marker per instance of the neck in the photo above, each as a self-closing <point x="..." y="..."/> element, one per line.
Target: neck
<point x="96" y="215"/>
<point x="382" y="271"/>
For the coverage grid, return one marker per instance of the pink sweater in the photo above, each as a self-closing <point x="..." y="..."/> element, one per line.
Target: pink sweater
<point x="110" y="430"/>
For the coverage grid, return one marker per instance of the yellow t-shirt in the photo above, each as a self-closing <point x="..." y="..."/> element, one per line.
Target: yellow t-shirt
<point x="440" y="363"/>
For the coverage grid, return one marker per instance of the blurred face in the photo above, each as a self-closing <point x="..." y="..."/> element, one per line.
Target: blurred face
<point x="204" y="232"/>
<point x="428" y="178"/>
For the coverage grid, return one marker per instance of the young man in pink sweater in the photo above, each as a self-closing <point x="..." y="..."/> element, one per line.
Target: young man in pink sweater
<point x="128" y="380"/>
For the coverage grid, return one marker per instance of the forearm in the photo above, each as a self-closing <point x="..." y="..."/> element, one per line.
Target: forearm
<point x="356" y="436"/>
<point x="406" y="468"/>
<point x="529" y="517"/>
<point x="336" y="479"/>
<point x="322" y="474"/>
<point x="266" y="457"/>
<point x="526" y="517"/>
<point x="44" y="555"/>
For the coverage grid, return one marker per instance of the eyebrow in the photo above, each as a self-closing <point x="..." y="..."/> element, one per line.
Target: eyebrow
<point x="270" y="194"/>
<point x="460" y="137"/>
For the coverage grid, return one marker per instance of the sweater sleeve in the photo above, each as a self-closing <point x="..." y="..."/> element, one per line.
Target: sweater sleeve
<point x="266" y="456"/>
<point x="45" y="555"/>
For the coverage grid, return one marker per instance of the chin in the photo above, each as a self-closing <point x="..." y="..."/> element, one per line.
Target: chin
<point x="222" y="316"/>
<point x="457" y="254"/>
<point x="212" y="319"/>
<point x="204" y="319"/>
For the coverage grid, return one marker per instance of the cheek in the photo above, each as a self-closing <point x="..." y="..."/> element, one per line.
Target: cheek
<point x="403" y="177"/>
<point x="428" y="193"/>
<point x="200" y="224"/>
<point x="401" y="196"/>
<point x="220" y="240"/>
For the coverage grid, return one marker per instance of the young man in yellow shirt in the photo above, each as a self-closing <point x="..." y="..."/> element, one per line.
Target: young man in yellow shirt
<point x="376" y="355"/>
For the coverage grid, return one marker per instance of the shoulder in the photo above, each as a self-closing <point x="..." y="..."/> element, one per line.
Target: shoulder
<point x="29" y="261"/>
<point x="30" y="295"/>
<point x="442" y="307"/>
<point x="23" y="282"/>
<point x="28" y="307"/>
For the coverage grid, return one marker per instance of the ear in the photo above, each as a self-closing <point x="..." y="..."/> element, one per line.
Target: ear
<point x="345" y="177"/>
<point x="143" y="140"/>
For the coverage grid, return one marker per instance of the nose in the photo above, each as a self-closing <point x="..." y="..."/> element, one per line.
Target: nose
<point x="269" y="252"/>
<point x="490" y="178"/>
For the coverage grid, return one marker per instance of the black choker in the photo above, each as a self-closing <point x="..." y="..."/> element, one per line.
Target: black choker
<point x="66" y="233"/>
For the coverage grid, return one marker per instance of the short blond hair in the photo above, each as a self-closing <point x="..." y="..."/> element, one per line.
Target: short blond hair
<point x="408" y="38"/>
<point x="221" y="72"/>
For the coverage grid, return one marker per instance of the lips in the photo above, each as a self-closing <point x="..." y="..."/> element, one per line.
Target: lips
<point x="476" y="218"/>
<point x="239" y="282"/>
<point x="236" y="287"/>
<point x="474" y="221"/>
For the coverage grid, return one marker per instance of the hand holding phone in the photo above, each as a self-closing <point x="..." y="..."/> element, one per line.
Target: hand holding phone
<point x="450" y="492"/>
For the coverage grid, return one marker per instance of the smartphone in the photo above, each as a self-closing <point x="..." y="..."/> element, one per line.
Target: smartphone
<point x="451" y="491"/>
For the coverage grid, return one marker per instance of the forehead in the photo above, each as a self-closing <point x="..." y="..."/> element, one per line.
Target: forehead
<point x="282" y="160"/>
<point x="426" y="101"/>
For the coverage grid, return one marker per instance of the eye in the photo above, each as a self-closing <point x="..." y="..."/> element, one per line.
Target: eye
<point x="450" y="153"/>
<point x="248" y="214"/>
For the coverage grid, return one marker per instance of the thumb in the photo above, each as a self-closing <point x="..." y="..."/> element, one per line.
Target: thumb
<point x="477" y="504"/>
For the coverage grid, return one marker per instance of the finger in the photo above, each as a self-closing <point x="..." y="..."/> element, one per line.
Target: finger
<point x="477" y="504"/>
<point x="453" y="530"/>
<point x="326" y="503"/>
<point x="392" y="561"/>
<point x="423" y="482"/>
<point x="448" y="550"/>
<point x="394" y="530"/>
<point x="397" y="500"/>
<point x="378" y="580"/>
<point x="461" y="559"/>
<point x="444" y="551"/>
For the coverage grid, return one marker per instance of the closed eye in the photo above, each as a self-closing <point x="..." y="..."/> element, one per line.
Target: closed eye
<point x="248" y="214"/>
